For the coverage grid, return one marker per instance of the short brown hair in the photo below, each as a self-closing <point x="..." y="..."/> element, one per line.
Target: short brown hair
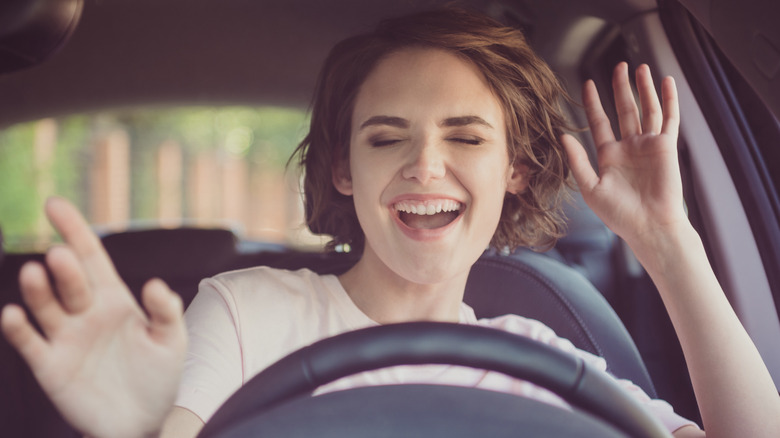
<point x="527" y="89"/>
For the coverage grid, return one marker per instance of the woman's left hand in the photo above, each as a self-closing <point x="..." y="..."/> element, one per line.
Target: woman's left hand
<point x="638" y="194"/>
<point x="638" y="190"/>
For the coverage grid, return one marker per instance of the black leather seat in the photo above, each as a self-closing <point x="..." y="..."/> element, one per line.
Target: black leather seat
<point x="526" y="283"/>
<point x="589" y="247"/>
<point x="179" y="256"/>
<point x="537" y="286"/>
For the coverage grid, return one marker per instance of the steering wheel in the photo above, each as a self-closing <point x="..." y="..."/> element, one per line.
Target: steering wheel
<point x="278" y="397"/>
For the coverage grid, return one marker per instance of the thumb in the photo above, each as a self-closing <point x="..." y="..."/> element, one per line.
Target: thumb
<point x="579" y="163"/>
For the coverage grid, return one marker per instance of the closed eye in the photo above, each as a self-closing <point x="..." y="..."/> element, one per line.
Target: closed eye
<point x="474" y="141"/>
<point x="383" y="142"/>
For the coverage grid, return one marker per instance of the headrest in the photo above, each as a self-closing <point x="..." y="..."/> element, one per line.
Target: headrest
<point x="171" y="252"/>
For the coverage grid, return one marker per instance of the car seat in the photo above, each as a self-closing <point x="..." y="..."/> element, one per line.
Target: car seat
<point x="589" y="247"/>
<point x="540" y="287"/>
<point x="178" y="256"/>
<point x="529" y="284"/>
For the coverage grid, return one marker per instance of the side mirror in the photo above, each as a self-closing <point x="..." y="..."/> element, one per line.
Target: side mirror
<point x="32" y="30"/>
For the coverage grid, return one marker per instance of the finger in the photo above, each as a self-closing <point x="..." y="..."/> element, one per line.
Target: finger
<point x="165" y="311"/>
<point x="85" y="244"/>
<point x="628" y="113"/>
<point x="23" y="336"/>
<point x="70" y="279"/>
<point x="580" y="165"/>
<point x="652" y="117"/>
<point x="40" y="299"/>
<point x="600" y="128"/>
<point x="671" y="107"/>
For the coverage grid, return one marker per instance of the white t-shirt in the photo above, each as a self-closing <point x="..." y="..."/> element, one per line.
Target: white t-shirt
<point x="241" y="322"/>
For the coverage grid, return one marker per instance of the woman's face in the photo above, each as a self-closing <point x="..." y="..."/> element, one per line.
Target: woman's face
<point x="429" y="166"/>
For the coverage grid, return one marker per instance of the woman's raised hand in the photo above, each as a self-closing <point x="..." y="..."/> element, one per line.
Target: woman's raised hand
<point x="110" y="369"/>
<point x="638" y="190"/>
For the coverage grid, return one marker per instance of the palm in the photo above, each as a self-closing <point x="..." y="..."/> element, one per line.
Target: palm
<point x="108" y="368"/>
<point x="83" y="362"/>
<point x="638" y="187"/>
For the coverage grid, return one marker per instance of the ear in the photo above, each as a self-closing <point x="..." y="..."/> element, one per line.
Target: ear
<point x="342" y="179"/>
<point x="517" y="180"/>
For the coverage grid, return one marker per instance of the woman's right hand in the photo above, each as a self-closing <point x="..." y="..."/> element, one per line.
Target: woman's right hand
<point x="110" y="369"/>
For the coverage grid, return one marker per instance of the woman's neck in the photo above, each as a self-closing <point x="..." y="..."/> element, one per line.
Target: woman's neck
<point x="387" y="297"/>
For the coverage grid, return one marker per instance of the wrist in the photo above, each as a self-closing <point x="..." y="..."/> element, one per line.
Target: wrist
<point x="663" y="247"/>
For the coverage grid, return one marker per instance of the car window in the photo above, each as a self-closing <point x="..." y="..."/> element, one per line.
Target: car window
<point x="191" y="166"/>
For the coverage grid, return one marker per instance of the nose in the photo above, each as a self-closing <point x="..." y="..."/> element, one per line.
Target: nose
<point x="425" y="162"/>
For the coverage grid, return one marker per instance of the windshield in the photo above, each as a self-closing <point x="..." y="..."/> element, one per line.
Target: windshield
<point x="193" y="166"/>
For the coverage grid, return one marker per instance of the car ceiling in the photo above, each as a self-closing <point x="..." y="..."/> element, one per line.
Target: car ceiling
<point x="151" y="52"/>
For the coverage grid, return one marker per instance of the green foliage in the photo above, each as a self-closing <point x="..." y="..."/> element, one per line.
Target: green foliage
<point x="19" y="199"/>
<point x="271" y="133"/>
<point x="71" y="165"/>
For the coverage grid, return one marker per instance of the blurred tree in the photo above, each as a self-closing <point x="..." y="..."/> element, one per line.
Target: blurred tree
<point x="19" y="200"/>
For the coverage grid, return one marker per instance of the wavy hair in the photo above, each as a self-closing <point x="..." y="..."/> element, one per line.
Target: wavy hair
<point x="528" y="91"/>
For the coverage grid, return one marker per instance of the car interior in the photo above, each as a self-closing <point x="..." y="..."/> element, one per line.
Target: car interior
<point x="64" y="57"/>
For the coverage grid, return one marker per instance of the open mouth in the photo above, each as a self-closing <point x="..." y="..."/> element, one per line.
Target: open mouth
<point x="428" y="215"/>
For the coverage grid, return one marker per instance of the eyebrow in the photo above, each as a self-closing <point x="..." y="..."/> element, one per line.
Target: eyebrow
<point x="450" y="122"/>
<point x="465" y="121"/>
<point x="396" y="122"/>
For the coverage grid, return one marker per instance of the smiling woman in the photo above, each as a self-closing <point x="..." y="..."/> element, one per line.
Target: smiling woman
<point x="445" y="109"/>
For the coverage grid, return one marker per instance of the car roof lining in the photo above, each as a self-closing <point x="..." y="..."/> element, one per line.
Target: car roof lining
<point x="233" y="52"/>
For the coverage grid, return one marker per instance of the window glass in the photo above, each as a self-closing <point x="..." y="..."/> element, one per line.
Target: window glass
<point x="194" y="166"/>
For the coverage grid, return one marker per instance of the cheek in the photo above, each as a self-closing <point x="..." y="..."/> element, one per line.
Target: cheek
<point x="492" y="172"/>
<point x="369" y="177"/>
<point x="493" y="182"/>
<point x="487" y="187"/>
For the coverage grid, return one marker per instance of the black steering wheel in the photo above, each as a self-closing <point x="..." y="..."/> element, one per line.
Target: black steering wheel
<point x="276" y="402"/>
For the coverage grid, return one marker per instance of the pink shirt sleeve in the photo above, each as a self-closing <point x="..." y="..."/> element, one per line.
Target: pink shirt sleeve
<point x="213" y="368"/>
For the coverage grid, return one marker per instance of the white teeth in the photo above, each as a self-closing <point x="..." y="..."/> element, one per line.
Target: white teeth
<point x="427" y="207"/>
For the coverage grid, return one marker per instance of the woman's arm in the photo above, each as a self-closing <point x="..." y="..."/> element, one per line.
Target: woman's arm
<point x="111" y="370"/>
<point x="181" y="423"/>
<point x="638" y="194"/>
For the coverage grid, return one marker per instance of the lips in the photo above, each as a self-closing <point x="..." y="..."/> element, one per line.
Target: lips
<point x="428" y="214"/>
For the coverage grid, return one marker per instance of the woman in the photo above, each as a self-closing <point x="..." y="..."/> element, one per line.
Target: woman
<point x="431" y="138"/>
